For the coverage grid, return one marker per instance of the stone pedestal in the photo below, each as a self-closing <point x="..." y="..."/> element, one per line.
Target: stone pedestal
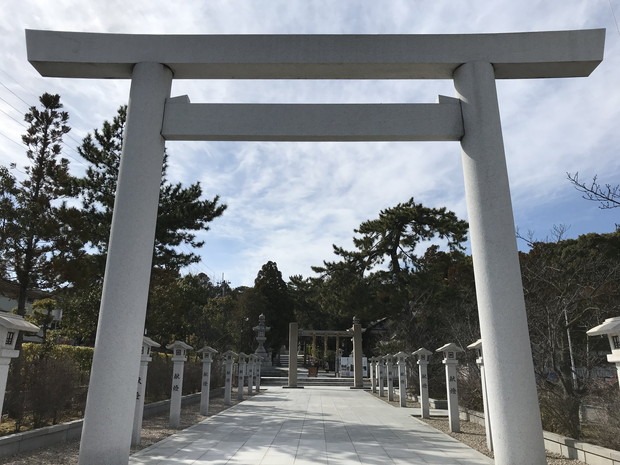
<point x="147" y="345"/>
<point x="179" y="358"/>
<point x="205" y="391"/>
<point x="423" y="357"/>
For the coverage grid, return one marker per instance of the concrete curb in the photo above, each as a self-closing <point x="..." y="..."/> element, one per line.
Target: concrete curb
<point x="50" y="435"/>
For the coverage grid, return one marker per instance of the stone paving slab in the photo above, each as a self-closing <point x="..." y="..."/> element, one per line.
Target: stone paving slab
<point x="315" y="425"/>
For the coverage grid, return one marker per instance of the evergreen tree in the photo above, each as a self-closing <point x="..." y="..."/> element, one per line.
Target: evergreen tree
<point x="182" y="212"/>
<point x="278" y="304"/>
<point x="34" y="234"/>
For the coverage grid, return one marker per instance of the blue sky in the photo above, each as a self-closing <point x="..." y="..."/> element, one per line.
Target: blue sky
<point x="289" y="202"/>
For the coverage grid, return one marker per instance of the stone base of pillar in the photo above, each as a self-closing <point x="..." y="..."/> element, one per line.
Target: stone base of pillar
<point x="292" y="387"/>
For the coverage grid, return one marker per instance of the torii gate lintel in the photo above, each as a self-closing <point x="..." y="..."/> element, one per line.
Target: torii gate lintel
<point x="473" y="61"/>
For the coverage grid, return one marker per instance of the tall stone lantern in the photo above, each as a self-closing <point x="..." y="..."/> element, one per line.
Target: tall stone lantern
<point x="179" y="357"/>
<point x="477" y="346"/>
<point x="401" y="361"/>
<point x="207" y="358"/>
<point x="261" y="331"/>
<point x="229" y="358"/>
<point x="10" y="326"/>
<point x="423" y="357"/>
<point x="611" y="328"/>
<point x="450" y="361"/>
<point x="148" y="345"/>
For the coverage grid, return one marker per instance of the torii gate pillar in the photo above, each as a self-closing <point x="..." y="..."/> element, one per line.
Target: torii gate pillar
<point x="473" y="61"/>
<point x="499" y="290"/>
<point x="108" y="417"/>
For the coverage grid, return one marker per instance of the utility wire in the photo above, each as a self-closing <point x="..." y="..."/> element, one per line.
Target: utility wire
<point x="613" y="13"/>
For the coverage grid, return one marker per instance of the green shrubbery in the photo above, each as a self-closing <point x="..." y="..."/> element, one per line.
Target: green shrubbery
<point x="48" y="383"/>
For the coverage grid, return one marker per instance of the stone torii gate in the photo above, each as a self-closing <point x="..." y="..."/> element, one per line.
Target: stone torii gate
<point x="473" y="62"/>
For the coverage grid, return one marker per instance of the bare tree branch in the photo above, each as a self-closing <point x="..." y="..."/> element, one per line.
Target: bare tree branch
<point x="607" y="195"/>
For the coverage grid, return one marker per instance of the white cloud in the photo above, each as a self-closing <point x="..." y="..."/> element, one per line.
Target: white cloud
<point x="289" y="202"/>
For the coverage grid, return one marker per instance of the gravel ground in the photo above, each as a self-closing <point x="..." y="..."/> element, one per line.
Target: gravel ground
<point x="154" y="429"/>
<point x="474" y="435"/>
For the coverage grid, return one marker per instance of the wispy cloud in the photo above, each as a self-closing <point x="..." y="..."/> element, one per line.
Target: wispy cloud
<point x="289" y="202"/>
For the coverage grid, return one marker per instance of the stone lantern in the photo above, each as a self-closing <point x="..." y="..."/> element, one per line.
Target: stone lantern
<point x="229" y="357"/>
<point x="10" y="326"/>
<point x="241" y="367"/>
<point x="449" y="353"/>
<point x="611" y="328"/>
<point x="261" y="331"/>
<point x="401" y="361"/>
<point x="381" y="376"/>
<point x="477" y="346"/>
<point x="373" y="374"/>
<point x="250" y="367"/>
<point x="207" y="357"/>
<point x="423" y="358"/>
<point x="179" y="356"/>
<point x="389" y="368"/>
<point x="147" y="345"/>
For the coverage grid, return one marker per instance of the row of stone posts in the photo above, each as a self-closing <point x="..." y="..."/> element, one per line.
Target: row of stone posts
<point x="179" y="357"/>
<point x="382" y="369"/>
<point x="248" y="370"/>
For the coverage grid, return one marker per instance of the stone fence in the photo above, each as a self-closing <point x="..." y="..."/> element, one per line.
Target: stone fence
<point x="566" y="447"/>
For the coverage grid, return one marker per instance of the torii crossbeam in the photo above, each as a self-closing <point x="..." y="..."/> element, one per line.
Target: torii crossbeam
<point x="474" y="62"/>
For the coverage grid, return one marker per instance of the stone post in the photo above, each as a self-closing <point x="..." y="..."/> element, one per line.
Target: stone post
<point x="251" y="366"/>
<point x="358" y="373"/>
<point x="205" y="391"/>
<point x="292" y="355"/>
<point x="499" y="290"/>
<point x="485" y="403"/>
<point x="229" y="357"/>
<point x="401" y="360"/>
<point x="610" y="328"/>
<point x="381" y="377"/>
<point x="257" y="374"/>
<point x="111" y="401"/>
<point x="179" y="357"/>
<point x="147" y="345"/>
<point x="373" y="374"/>
<point x="423" y="357"/>
<point x="389" y="367"/>
<point x="449" y="351"/>
<point x="241" y="379"/>
<point x="10" y="326"/>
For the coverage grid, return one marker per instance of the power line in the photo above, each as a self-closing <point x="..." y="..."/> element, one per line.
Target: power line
<point x="613" y="13"/>
<point x="12" y="140"/>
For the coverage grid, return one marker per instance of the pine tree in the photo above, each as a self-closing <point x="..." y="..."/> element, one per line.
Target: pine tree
<point x="34" y="235"/>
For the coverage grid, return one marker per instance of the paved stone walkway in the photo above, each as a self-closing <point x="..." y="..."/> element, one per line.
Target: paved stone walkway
<point x="315" y="425"/>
